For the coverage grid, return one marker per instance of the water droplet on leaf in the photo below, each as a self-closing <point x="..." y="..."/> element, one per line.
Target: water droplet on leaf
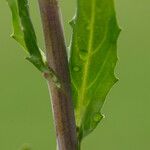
<point x="88" y="27"/>
<point x="76" y="68"/>
<point x="97" y="117"/>
<point x="83" y="54"/>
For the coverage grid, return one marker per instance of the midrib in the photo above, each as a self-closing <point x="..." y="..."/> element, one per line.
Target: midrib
<point x="81" y="96"/>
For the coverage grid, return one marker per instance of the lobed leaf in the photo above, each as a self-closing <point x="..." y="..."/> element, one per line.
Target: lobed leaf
<point x="92" y="61"/>
<point x="24" y="32"/>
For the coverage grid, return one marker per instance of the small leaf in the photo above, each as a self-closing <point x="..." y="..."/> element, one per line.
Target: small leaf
<point x="93" y="60"/>
<point x="24" y="32"/>
<point x="25" y="35"/>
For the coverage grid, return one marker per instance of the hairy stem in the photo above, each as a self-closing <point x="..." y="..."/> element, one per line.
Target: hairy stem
<point x="57" y="60"/>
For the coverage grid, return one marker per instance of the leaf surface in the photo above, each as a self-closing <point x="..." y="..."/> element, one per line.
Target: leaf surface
<point x="24" y="32"/>
<point x="92" y="61"/>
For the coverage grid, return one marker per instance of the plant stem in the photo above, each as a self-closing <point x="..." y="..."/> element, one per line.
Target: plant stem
<point x="57" y="60"/>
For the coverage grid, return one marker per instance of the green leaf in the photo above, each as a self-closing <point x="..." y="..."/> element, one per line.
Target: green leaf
<point x="92" y="61"/>
<point x="24" y="33"/>
<point x="17" y="33"/>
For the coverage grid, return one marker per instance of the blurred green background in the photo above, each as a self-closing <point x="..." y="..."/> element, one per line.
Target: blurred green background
<point x="25" y="113"/>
